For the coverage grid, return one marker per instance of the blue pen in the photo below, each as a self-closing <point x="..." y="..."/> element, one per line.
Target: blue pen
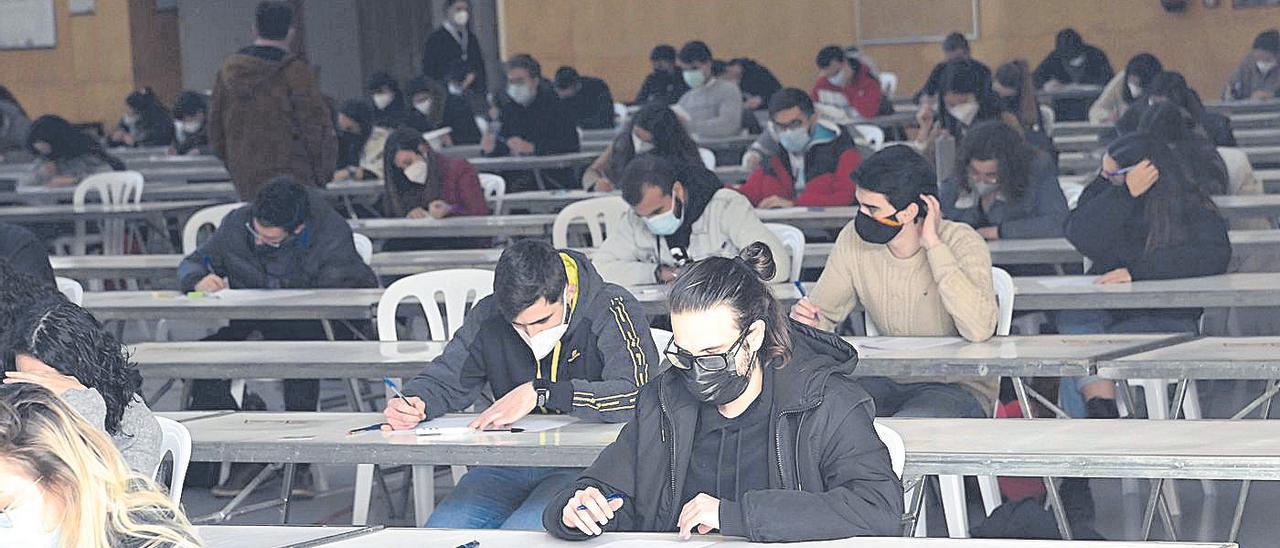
<point x="395" y="389"/>
<point x="800" y="288"/>
<point x="608" y="499"/>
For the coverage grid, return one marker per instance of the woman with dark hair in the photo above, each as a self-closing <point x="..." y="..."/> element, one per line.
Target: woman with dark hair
<point x="1172" y="87"/>
<point x="1003" y="187"/>
<point x="654" y="130"/>
<point x="65" y="154"/>
<point x="389" y="109"/>
<point x="1141" y="219"/>
<point x="746" y="391"/>
<point x="1017" y="92"/>
<point x="14" y="123"/>
<point x="146" y="123"/>
<point x="1072" y="61"/>
<point x="426" y="99"/>
<point x="1131" y="84"/>
<point x="360" y="142"/>
<point x="1175" y="127"/>
<point x="965" y="98"/>
<point x="61" y="347"/>
<point x="422" y="183"/>
<point x="190" y="112"/>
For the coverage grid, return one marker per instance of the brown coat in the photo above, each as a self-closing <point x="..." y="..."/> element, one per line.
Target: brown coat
<point x="267" y="119"/>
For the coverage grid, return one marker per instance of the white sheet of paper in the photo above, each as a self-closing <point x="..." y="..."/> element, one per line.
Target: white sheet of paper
<point x="1068" y="282"/>
<point x="257" y="294"/>
<point x="898" y="344"/>
<point x="458" y="424"/>
<point x="658" y="544"/>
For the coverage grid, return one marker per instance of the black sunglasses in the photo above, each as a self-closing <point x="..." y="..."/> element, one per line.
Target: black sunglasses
<point x="682" y="359"/>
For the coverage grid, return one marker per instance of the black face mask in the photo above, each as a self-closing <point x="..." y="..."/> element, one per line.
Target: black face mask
<point x="715" y="387"/>
<point x="873" y="231"/>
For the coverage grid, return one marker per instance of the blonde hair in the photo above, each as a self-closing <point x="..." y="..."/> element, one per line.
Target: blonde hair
<point x="77" y="465"/>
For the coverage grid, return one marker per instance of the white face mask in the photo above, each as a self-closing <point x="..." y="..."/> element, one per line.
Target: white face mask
<point x="1077" y="61"/>
<point x="838" y="79"/>
<point x="545" y="341"/>
<point x="190" y="127"/>
<point x="965" y="112"/>
<point x="423" y="106"/>
<point x="640" y="145"/>
<point x="461" y="18"/>
<point x="417" y="172"/>
<point x="22" y="524"/>
<point x="1265" y="66"/>
<point x="1134" y="89"/>
<point x="381" y="100"/>
<point x="455" y="89"/>
<point x="130" y="119"/>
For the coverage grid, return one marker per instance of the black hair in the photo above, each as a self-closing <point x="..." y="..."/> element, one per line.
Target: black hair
<point x="448" y="5"/>
<point x="1017" y="75"/>
<point x="955" y="41"/>
<point x="828" y="55"/>
<point x="382" y="80"/>
<point x="1173" y="199"/>
<point x="995" y="140"/>
<point x="670" y="140"/>
<point x="696" y="51"/>
<point x="1268" y="40"/>
<point x="566" y="77"/>
<point x="1204" y="166"/>
<point x="190" y="103"/>
<point x="1068" y="41"/>
<point x="526" y="62"/>
<point x="963" y="76"/>
<point x="458" y="71"/>
<point x="647" y="170"/>
<point x="8" y="96"/>
<point x="282" y="203"/>
<point x="1168" y="122"/>
<point x="901" y="174"/>
<point x="65" y="141"/>
<point x="1145" y="66"/>
<point x="717" y="67"/>
<point x="359" y="111"/>
<point x="146" y="104"/>
<point x="528" y="270"/>
<point x="1172" y="86"/>
<point x="19" y="290"/>
<point x="396" y="184"/>
<point x="786" y="98"/>
<point x="739" y="283"/>
<point x="69" y="339"/>
<point x="663" y="52"/>
<point x="272" y="19"/>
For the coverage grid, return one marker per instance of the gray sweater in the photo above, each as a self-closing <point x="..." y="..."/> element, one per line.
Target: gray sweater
<point x="139" y="437"/>
<point x="1041" y="213"/>
<point x="715" y="109"/>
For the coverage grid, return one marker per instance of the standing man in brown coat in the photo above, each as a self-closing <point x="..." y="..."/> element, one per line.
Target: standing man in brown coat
<point x="268" y="117"/>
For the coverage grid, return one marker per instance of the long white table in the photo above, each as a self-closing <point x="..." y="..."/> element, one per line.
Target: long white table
<point x="1086" y="142"/>
<point x="97" y="212"/>
<point x="1244" y="106"/>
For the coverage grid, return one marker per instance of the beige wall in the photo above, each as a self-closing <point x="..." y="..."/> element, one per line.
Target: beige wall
<point x="612" y="38"/>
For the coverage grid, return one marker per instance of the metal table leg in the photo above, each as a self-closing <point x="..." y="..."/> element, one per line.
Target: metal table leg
<point x="286" y="489"/>
<point x="1237" y="517"/>
<point x="1050" y="488"/>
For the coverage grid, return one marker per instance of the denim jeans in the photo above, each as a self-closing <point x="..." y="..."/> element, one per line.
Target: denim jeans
<point x="506" y="497"/>
<point x="1088" y="322"/>
<point x="921" y="400"/>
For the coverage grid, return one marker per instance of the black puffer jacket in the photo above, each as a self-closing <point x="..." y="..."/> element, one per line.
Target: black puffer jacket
<point x="833" y="476"/>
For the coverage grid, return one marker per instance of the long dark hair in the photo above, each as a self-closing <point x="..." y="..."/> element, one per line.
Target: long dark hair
<point x="1017" y="75"/>
<point x="670" y="140"/>
<point x="994" y="140"/>
<point x="964" y="76"/>
<point x="741" y="284"/>
<point x="399" y="187"/>
<point x="1173" y="86"/>
<point x="65" y="141"/>
<point x="1145" y="66"/>
<point x="69" y="339"/>
<point x="1173" y="199"/>
<point x="19" y="290"/>
<point x="7" y="96"/>
<point x="1191" y="145"/>
<point x="149" y="108"/>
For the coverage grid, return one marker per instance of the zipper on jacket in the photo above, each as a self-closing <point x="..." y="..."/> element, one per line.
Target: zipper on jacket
<point x="782" y="472"/>
<point x="671" y="464"/>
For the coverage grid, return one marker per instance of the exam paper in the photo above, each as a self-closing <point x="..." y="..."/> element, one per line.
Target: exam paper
<point x="1070" y="281"/>
<point x="458" y="424"/>
<point x="658" y="544"/>
<point x="879" y="345"/>
<point x="242" y="295"/>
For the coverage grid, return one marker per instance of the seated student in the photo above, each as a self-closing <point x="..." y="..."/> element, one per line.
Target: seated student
<point x="63" y="484"/>
<point x="14" y="123"/>
<point x="1015" y="90"/>
<point x="189" y="112"/>
<point x="1172" y="87"/>
<point x="846" y="84"/>
<point x="680" y="213"/>
<point x="389" y="108"/>
<point x="553" y="338"/>
<point x="23" y="251"/>
<point x="146" y="123"/>
<point x="1257" y="77"/>
<point x="426" y="99"/>
<point x="288" y="238"/>
<point x="814" y="170"/>
<point x="713" y="105"/>
<point x="360" y="142"/>
<point x="423" y="183"/>
<point x="955" y="47"/>
<point x="587" y="98"/>
<point x="655" y="130"/>
<point x="1126" y="87"/>
<point x="64" y="155"/>
<point x="19" y="290"/>
<point x="1003" y="187"/>
<point x="534" y="121"/>
<point x="755" y="81"/>
<point x="1072" y="61"/>
<point x="664" y="85"/>
<point x="460" y="115"/>
<point x="61" y="347"/>
<point x="699" y="455"/>
<point x="1141" y="219"/>
<point x="962" y="103"/>
<point x="1205" y="167"/>
<point x="914" y="274"/>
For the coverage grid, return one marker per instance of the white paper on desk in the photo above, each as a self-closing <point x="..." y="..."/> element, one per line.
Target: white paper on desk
<point x="658" y="543"/>
<point x="458" y="425"/>
<point x="256" y="294"/>
<point x="1068" y="281"/>
<point x="898" y="344"/>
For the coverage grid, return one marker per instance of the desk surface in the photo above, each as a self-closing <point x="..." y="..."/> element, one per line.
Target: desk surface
<point x="92" y="212"/>
<point x="1207" y="358"/>
<point x="1079" y="292"/>
<point x="317" y="304"/>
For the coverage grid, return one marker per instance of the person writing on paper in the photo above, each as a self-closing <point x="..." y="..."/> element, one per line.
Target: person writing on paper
<point x="655" y="131"/>
<point x="1258" y="77"/>
<point x="665" y="85"/>
<point x="679" y="213"/>
<point x="360" y="143"/>
<point x="914" y="274"/>
<point x="746" y="391"/>
<point x="532" y="120"/>
<point x="553" y="338"/>
<point x="422" y="183"/>
<point x="189" y="112"/>
<point x="713" y="105"/>
<point x="845" y="83"/>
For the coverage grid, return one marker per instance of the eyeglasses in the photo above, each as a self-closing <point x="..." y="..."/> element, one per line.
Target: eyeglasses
<point x="794" y="124"/>
<point x="1118" y="172"/>
<point x="6" y="521"/>
<point x="265" y="240"/>
<point x="978" y="177"/>
<point x="682" y="359"/>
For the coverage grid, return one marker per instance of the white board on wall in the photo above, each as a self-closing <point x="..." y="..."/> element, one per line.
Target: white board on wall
<point x="27" y="24"/>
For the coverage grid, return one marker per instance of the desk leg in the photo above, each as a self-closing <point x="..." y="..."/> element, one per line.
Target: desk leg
<point x="915" y="505"/>
<point x="1179" y="398"/>
<point x="1050" y="488"/>
<point x="286" y="488"/>
<point x="1237" y="517"/>
<point x="424" y="492"/>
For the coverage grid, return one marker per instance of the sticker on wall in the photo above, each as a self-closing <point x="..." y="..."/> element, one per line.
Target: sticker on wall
<point x="81" y="7"/>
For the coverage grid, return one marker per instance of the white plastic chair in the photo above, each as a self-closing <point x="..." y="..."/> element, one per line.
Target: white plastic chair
<point x="598" y="213"/>
<point x="495" y="187"/>
<point x="897" y="449"/>
<point x="792" y="239"/>
<point x="175" y="439"/>
<point x="661" y="337"/>
<point x="459" y="289"/>
<point x="620" y="111"/>
<point x="1047" y="120"/>
<point x="209" y="216"/>
<point x="708" y="158"/>
<point x="888" y="84"/>
<point x="112" y="188"/>
<point x="70" y="289"/>
<point x="873" y="134"/>
<point x="364" y="246"/>
<point x="954" y="505"/>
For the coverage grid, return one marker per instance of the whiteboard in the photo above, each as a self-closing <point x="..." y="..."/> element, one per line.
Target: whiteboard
<point x="27" y="24"/>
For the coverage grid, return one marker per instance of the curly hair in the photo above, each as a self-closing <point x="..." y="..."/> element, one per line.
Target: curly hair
<point x="19" y="290"/>
<point x="69" y="339"/>
<point x="995" y="140"/>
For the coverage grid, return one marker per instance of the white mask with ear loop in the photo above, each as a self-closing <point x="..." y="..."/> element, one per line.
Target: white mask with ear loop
<point x="417" y="172"/>
<point x="545" y="341"/>
<point x="23" y="524"/>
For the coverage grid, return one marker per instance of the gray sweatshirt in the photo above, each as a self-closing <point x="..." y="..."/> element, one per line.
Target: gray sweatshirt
<point x="139" y="437"/>
<point x="715" y="109"/>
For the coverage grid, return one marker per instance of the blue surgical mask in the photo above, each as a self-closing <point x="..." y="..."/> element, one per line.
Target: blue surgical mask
<point x="694" y="77"/>
<point x="522" y="94"/>
<point x="794" y="140"/>
<point x="665" y="224"/>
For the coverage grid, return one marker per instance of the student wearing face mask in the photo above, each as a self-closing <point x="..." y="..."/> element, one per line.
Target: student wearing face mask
<point x="713" y="105"/>
<point x="965" y="100"/>
<point x="587" y="98"/>
<point x="813" y="169"/>
<point x="955" y="47"/>
<point x="846" y="83"/>
<point x="63" y="484"/>
<point x="680" y="213"/>
<point x="1126" y="87"/>
<point x="422" y="183"/>
<point x="745" y="390"/>
<point x="389" y="109"/>
<point x="1205" y="166"/>
<point x="1257" y="77"/>
<point x="533" y="120"/>
<point x="64" y="155"/>
<point x="190" y="111"/>
<point x="360" y="142"/>
<point x="665" y="84"/>
<point x="914" y="274"/>
<point x="1171" y="87"/>
<point x="1072" y="61"/>
<point x="426" y="104"/>
<point x="435" y="107"/>
<point x="553" y="338"/>
<point x="1003" y="187"/>
<point x="455" y="44"/>
<point x="146" y="123"/>
<point x="655" y="130"/>
<point x="755" y="80"/>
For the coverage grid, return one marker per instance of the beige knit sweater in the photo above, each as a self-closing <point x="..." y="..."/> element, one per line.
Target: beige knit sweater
<point x="944" y="291"/>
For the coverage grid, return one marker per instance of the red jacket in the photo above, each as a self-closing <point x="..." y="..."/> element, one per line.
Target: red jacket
<point x="862" y="92"/>
<point x="828" y="164"/>
<point x="459" y="187"/>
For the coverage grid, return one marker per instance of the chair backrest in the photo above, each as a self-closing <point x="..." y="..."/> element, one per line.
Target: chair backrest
<point x="708" y="158"/>
<point x="364" y="246"/>
<point x="175" y="439"/>
<point x="660" y="338"/>
<point x="897" y="450"/>
<point x="873" y="134"/>
<point x="70" y="289"/>
<point x="113" y="188"/>
<point x="598" y="213"/>
<point x="888" y="84"/>
<point x="792" y="239"/>
<point x="1002" y="283"/>
<point x="1047" y="120"/>
<point x="459" y="289"/>
<point x="495" y="187"/>
<point x="620" y="111"/>
<point x="209" y="216"/>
